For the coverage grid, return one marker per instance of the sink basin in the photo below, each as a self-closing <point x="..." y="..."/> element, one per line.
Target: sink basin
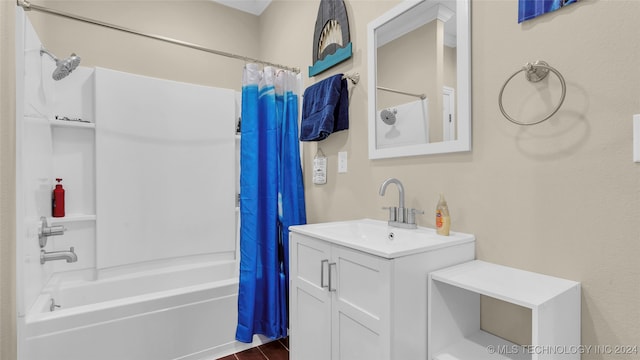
<point x="378" y="238"/>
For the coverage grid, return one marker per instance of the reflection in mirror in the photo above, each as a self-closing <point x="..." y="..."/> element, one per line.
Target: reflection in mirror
<point x="419" y="62"/>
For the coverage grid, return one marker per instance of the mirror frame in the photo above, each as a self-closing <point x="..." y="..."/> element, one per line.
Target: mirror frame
<point x="463" y="101"/>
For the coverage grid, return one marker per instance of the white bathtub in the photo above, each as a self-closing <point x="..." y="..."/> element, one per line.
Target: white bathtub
<point x="182" y="312"/>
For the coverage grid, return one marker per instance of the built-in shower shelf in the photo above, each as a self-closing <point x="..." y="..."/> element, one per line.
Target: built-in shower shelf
<point x="72" y="124"/>
<point x="71" y="218"/>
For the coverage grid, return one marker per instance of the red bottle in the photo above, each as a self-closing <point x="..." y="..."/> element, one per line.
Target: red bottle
<point x="57" y="203"/>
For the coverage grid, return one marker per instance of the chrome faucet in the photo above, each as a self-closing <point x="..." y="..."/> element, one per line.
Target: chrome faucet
<point x="70" y="256"/>
<point x="400" y="209"/>
<point x="399" y="216"/>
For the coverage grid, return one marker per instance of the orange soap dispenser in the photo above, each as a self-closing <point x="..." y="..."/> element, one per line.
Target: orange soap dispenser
<point x="443" y="221"/>
<point x="57" y="201"/>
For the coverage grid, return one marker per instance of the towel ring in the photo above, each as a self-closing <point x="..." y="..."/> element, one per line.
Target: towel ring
<point x="534" y="73"/>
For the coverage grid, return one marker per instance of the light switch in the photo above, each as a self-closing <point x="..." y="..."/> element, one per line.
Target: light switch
<point x="342" y="162"/>
<point x="636" y="138"/>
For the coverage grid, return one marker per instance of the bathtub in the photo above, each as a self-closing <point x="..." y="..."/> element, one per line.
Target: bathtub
<point x="186" y="312"/>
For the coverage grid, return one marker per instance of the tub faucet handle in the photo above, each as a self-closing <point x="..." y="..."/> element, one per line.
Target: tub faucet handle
<point x="53" y="305"/>
<point x="46" y="231"/>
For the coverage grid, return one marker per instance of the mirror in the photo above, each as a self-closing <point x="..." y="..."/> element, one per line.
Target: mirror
<point x="420" y="79"/>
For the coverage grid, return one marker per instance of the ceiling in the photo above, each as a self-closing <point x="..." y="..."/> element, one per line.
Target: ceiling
<point x="255" y="7"/>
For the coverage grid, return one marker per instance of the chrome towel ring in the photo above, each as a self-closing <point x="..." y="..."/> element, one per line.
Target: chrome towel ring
<point x="534" y="73"/>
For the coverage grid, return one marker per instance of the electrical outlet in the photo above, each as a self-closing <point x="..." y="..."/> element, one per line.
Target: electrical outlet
<point x="342" y="162"/>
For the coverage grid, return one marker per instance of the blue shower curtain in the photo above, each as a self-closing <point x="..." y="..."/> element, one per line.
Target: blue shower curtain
<point x="271" y="199"/>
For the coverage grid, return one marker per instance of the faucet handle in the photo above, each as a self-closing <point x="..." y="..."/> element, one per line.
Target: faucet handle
<point x="411" y="215"/>
<point x="45" y="231"/>
<point x="393" y="212"/>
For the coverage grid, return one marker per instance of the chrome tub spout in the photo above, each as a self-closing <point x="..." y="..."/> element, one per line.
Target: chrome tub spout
<point x="70" y="256"/>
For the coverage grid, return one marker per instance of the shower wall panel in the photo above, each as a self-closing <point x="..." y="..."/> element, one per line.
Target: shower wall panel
<point x="35" y="156"/>
<point x="165" y="176"/>
<point x="45" y="153"/>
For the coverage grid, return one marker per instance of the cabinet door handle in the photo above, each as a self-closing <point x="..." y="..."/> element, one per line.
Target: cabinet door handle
<point x="331" y="289"/>
<point x="322" y="273"/>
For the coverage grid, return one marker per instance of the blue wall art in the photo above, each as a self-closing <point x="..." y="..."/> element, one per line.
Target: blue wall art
<point x="529" y="9"/>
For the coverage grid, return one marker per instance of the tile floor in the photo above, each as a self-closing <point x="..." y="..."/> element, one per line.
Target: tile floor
<point x="275" y="350"/>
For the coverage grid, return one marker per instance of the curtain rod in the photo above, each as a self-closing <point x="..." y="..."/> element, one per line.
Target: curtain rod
<point x="26" y="5"/>
<point x="421" y="96"/>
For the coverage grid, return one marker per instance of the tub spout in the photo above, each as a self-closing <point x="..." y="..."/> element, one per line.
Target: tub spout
<point x="70" y="256"/>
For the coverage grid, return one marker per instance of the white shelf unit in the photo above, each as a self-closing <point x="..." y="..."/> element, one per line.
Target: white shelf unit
<point x="73" y="160"/>
<point x="72" y="124"/>
<point x="71" y="218"/>
<point x="454" y="313"/>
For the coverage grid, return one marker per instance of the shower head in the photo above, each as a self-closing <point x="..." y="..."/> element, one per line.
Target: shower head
<point x="388" y="116"/>
<point x="63" y="67"/>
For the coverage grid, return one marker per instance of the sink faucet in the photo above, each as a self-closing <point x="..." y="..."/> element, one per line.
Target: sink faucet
<point x="386" y="183"/>
<point x="70" y="256"/>
<point x="399" y="216"/>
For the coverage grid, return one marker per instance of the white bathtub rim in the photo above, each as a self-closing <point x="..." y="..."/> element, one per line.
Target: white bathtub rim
<point x="164" y="265"/>
<point x="81" y="278"/>
<point x="45" y="300"/>
<point x="62" y="282"/>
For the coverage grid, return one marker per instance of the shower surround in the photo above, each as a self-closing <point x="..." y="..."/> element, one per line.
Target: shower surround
<point x="151" y="193"/>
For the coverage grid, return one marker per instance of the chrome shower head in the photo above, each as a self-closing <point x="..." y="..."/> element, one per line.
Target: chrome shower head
<point x="388" y="116"/>
<point x="63" y="67"/>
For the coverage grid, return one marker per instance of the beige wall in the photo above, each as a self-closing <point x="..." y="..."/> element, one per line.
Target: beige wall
<point x="560" y="198"/>
<point x="450" y="75"/>
<point x="420" y="63"/>
<point x="200" y="22"/>
<point x="415" y="73"/>
<point x="7" y="182"/>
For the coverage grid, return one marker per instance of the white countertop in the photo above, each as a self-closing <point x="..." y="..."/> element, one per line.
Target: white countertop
<point x="373" y="237"/>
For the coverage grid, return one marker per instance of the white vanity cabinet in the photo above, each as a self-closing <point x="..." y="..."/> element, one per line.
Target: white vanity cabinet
<point x="350" y="302"/>
<point x="338" y="296"/>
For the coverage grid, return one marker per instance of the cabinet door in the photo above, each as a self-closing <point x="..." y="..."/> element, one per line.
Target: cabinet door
<point x="360" y="309"/>
<point x="309" y="299"/>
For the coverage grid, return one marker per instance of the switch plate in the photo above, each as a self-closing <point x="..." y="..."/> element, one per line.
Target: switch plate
<point x="342" y="162"/>
<point x="636" y="138"/>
